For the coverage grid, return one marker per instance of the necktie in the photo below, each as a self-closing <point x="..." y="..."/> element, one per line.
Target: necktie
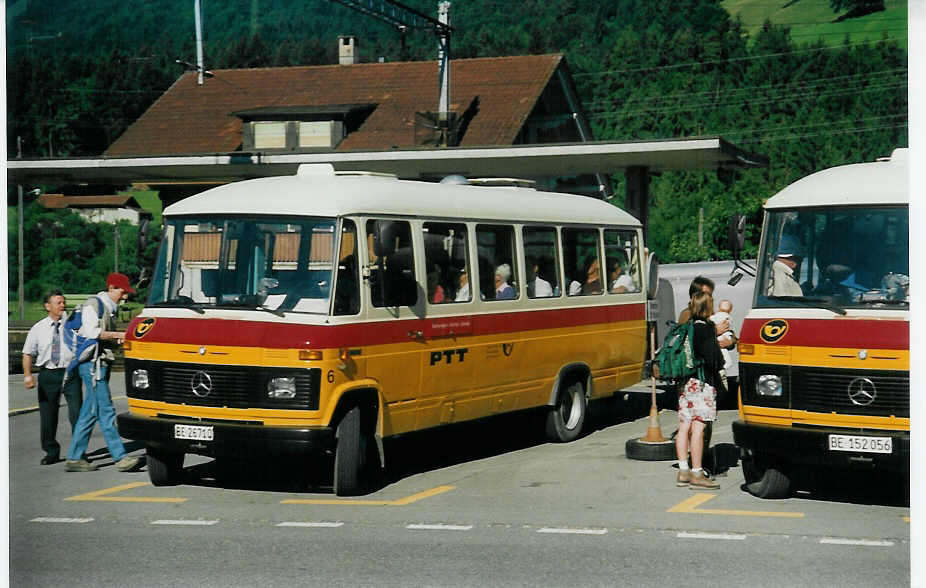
<point x="55" y="346"/>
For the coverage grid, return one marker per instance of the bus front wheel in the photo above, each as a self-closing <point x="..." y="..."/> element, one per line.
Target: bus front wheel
<point x="764" y="481"/>
<point x="566" y="418"/>
<point x="164" y="468"/>
<point x="350" y="455"/>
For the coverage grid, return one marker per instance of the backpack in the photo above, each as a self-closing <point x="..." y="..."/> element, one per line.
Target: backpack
<point x="675" y="359"/>
<point x="84" y="349"/>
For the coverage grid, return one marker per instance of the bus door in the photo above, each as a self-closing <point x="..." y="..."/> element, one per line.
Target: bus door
<point x="447" y="363"/>
<point x="499" y="354"/>
<point x="395" y="307"/>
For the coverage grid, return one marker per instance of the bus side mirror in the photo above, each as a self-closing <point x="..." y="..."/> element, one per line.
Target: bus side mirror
<point x="736" y="234"/>
<point x="652" y="275"/>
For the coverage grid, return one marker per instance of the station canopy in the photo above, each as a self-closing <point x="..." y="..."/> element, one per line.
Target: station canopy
<point x="523" y="161"/>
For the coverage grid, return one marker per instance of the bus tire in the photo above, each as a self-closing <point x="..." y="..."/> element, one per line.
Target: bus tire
<point x="350" y="455"/>
<point x="567" y="417"/>
<point x="765" y="482"/>
<point x="165" y="468"/>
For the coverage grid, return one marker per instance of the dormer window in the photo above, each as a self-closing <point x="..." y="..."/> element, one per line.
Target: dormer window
<point x="300" y="128"/>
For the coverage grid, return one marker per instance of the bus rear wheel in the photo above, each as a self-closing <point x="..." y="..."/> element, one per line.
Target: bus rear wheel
<point x="165" y="468"/>
<point x="764" y="481"/>
<point x="350" y="455"/>
<point x="567" y="417"/>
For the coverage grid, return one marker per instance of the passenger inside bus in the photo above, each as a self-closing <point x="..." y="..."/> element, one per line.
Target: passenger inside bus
<point x="619" y="280"/>
<point x="503" y="290"/>
<point x="435" y="290"/>
<point x="537" y="287"/>
<point x="463" y="293"/>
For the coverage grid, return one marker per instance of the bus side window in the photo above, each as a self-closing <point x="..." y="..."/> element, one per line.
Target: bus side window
<point x="541" y="262"/>
<point x="445" y="256"/>
<point x="392" y="264"/>
<point x="498" y="279"/>
<point x="581" y="259"/>
<point x="620" y="249"/>
<point x="347" y="294"/>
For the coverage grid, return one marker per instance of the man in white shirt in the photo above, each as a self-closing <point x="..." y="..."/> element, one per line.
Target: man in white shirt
<point x="45" y="348"/>
<point x="98" y="405"/>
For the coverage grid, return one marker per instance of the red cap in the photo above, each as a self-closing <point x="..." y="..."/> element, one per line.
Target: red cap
<point x="117" y="280"/>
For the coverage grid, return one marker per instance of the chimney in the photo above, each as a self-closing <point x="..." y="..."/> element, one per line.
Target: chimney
<point x="347" y="50"/>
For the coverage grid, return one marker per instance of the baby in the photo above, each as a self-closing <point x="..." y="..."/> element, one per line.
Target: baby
<point x="724" y="308"/>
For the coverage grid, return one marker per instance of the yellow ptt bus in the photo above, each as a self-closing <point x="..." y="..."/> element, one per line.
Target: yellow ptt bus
<point x="320" y="313"/>
<point x="825" y="349"/>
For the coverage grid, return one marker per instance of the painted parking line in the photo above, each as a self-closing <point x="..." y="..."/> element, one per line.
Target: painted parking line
<point x="312" y="524"/>
<point x="350" y="502"/>
<point x="567" y="531"/>
<point x="864" y="542"/>
<point x="721" y="536"/>
<point x="690" y="505"/>
<point x="105" y="495"/>
<point x="190" y="522"/>
<point x="437" y="527"/>
<point x="59" y="520"/>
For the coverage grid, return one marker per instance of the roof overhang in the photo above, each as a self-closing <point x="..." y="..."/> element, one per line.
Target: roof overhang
<point x="520" y="161"/>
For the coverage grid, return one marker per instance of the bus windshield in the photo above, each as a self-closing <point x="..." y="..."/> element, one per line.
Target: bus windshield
<point x="263" y="263"/>
<point x="852" y="257"/>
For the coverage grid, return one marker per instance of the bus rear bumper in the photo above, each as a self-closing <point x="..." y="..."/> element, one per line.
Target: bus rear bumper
<point x="234" y="438"/>
<point x="810" y="446"/>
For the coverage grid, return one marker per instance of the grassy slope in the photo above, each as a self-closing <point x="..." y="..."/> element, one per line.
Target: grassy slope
<point x="810" y="20"/>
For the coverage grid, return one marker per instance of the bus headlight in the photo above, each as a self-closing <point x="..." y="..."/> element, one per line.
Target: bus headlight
<point x="769" y="385"/>
<point x="282" y="388"/>
<point x="140" y="379"/>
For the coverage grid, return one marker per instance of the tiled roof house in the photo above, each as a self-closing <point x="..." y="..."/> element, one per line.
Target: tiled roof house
<point x="497" y="101"/>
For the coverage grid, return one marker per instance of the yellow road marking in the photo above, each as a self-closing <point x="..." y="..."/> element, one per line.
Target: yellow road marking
<point x="347" y="502"/>
<point x="103" y="495"/>
<point x="691" y="505"/>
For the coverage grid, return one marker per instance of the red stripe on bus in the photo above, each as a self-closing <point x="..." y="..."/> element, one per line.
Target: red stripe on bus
<point x="836" y="332"/>
<point x="239" y="333"/>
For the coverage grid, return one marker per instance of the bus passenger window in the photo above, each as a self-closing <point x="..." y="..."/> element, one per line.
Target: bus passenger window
<point x="347" y="294"/>
<point x="446" y="257"/>
<point x="620" y="249"/>
<point x="498" y="278"/>
<point x="541" y="262"/>
<point x="392" y="264"/>
<point x="581" y="259"/>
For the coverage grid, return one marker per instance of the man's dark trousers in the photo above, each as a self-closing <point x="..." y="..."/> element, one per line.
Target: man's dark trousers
<point x="49" y="389"/>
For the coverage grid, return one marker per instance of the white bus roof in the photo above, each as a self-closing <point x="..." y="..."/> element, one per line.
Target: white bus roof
<point x="878" y="183"/>
<point x="318" y="191"/>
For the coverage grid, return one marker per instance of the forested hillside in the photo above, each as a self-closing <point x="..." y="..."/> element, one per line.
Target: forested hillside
<point x="79" y="74"/>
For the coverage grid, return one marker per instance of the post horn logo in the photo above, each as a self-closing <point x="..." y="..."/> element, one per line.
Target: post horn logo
<point x="142" y="328"/>
<point x="773" y="331"/>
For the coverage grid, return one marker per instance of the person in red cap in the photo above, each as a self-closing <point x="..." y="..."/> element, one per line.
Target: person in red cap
<point x="98" y="404"/>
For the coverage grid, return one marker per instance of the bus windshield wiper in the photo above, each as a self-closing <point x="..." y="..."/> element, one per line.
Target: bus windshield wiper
<point x="248" y="305"/>
<point x="181" y="302"/>
<point x="812" y="302"/>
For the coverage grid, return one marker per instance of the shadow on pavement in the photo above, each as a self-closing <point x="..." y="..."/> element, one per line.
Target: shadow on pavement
<point x="413" y="453"/>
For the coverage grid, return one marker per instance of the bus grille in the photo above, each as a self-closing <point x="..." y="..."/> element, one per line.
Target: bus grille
<point x="827" y="390"/>
<point x="232" y="386"/>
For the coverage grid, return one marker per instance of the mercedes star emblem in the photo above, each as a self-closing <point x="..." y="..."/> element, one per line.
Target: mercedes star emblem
<point x="862" y="391"/>
<point x="201" y="384"/>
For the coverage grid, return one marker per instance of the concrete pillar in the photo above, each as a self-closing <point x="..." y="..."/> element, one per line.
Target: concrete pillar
<point x="638" y="195"/>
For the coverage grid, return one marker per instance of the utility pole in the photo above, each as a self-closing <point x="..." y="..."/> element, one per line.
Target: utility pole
<point x="22" y="290"/>
<point x="199" y="42"/>
<point x="404" y="18"/>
